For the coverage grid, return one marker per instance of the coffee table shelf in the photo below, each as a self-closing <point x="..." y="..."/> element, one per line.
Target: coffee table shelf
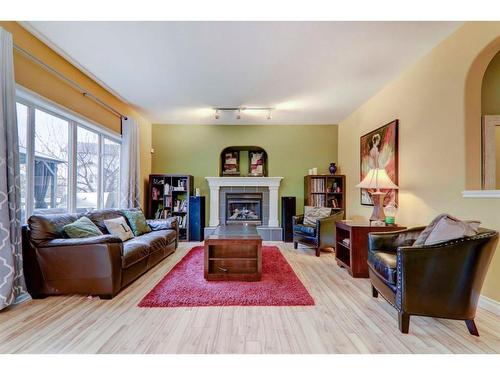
<point x="233" y="252"/>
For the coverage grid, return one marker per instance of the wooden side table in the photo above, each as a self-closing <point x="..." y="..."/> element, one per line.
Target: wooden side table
<point x="351" y="251"/>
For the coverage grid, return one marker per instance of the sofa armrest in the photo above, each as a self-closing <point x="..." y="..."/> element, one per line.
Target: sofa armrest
<point x="97" y="240"/>
<point x="297" y="219"/>
<point x="86" y="266"/>
<point x="390" y="241"/>
<point x="327" y="227"/>
<point x="162" y="224"/>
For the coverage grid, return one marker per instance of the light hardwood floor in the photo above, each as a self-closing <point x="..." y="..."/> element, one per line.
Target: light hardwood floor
<point x="345" y="319"/>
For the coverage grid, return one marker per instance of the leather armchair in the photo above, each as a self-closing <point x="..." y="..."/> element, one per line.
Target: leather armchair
<point x="442" y="280"/>
<point x="320" y="236"/>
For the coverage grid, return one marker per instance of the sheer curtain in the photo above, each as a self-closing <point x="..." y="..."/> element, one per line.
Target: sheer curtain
<point x="12" y="285"/>
<point x="129" y="164"/>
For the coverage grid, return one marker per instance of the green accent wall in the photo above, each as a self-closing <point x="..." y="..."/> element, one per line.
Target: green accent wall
<point x="291" y="149"/>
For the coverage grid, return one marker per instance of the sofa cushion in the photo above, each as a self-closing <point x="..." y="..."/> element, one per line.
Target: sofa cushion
<point x="445" y="228"/>
<point x="48" y="227"/>
<point x="313" y="214"/>
<point x="137" y="222"/>
<point x="119" y="228"/>
<point x="98" y="217"/>
<point x="307" y="230"/>
<point x="384" y="264"/>
<point x="82" y="228"/>
<point x="158" y="240"/>
<point x="134" y="251"/>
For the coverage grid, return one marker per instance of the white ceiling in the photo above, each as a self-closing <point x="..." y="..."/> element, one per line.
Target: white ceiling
<point x="175" y="72"/>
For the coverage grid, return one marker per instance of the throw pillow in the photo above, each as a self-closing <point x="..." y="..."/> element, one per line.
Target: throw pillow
<point x="313" y="214"/>
<point x="137" y="222"/>
<point x="445" y="228"/>
<point x="81" y="228"/>
<point x="119" y="227"/>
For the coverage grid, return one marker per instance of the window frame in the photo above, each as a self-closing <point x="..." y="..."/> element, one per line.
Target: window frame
<point x="33" y="102"/>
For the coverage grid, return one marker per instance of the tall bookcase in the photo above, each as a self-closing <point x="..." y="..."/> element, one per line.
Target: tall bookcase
<point x="325" y="191"/>
<point x="169" y="196"/>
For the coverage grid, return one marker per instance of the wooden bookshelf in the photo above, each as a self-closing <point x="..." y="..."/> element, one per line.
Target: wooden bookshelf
<point x="168" y="195"/>
<point x="325" y="191"/>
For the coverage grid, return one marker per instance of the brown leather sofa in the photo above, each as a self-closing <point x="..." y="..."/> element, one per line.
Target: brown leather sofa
<point x="319" y="236"/>
<point x="442" y="280"/>
<point x="103" y="265"/>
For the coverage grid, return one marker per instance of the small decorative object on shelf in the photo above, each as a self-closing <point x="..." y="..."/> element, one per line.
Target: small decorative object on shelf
<point x="332" y="168"/>
<point x="231" y="164"/>
<point x="390" y="211"/>
<point x="256" y="163"/>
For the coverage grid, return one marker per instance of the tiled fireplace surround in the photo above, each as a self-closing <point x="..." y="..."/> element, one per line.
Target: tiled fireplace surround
<point x="220" y="186"/>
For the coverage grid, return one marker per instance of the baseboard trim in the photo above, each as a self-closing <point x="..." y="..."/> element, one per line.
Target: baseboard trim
<point x="489" y="304"/>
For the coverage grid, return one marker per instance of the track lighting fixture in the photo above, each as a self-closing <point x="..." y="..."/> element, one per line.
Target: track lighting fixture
<point x="240" y="110"/>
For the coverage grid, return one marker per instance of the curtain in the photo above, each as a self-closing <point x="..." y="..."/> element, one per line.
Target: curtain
<point x="12" y="285"/>
<point x="129" y="164"/>
<point x="43" y="179"/>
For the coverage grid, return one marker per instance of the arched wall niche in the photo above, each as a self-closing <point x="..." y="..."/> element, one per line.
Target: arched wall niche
<point x="246" y="165"/>
<point x="473" y="85"/>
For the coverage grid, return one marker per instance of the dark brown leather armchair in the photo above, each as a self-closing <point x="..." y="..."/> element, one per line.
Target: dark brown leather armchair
<point x="442" y="280"/>
<point x="320" y="236"/>
<point x="101" y="265"/>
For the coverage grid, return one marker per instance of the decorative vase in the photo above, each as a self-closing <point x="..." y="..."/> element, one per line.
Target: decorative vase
<point x="332" y="168"/>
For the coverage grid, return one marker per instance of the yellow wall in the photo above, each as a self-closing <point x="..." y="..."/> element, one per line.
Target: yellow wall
<point x="429" y="101"/>
<point x="39" y="80"/>
<point x="490" y="93"/>
<point x="291" y="150"/>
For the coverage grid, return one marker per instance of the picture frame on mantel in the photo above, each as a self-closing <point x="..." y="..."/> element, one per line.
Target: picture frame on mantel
<point x="380" y="148"/>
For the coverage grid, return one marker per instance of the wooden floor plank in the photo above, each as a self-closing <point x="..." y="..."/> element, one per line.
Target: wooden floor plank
<point x="345" y="319"/>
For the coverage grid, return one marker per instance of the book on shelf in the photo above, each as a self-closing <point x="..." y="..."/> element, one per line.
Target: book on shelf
<point x="318" y="200"/>
<point x="334" y="203"/>
<point x="317" y="185"/>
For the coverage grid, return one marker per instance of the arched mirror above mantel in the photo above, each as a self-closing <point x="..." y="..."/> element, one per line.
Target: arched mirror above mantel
<point x="244" y="161"/>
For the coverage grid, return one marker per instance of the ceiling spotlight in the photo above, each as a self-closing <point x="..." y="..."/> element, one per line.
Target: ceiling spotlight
<point x="217" y="114"/>
<point x="269" y="114"/>
<point x="238" y="115"/>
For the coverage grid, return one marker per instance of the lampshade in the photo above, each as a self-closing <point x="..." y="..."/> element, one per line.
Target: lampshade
<point x="377" y="179"/>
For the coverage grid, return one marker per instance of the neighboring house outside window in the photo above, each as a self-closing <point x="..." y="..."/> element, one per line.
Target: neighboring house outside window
<point x="68" y="164"/>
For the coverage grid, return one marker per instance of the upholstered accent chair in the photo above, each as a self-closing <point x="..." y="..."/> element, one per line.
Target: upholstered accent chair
<point x="320" y="236"/>
<point x="443" y="280"/>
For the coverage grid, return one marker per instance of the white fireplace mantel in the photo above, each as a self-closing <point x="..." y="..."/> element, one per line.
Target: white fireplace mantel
<point x="272" y="183"/>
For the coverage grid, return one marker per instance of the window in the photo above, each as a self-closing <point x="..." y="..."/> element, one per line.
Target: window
<point x="67" y="163"/>
<point x="51" y="163"/>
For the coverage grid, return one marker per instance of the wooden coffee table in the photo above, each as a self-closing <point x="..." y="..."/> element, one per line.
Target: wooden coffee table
<point x="233" y="252"/>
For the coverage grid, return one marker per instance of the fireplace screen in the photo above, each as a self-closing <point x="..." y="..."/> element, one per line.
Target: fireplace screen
<point x="243" y="208"/>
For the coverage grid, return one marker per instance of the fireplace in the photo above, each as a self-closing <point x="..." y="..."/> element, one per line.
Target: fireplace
<point x="244" y="208"/>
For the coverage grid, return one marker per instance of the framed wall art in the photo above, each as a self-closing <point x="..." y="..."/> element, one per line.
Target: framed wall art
<point x="379" y="149"/>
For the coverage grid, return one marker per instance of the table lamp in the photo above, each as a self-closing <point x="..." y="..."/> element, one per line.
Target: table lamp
<point x="377" y="179"/>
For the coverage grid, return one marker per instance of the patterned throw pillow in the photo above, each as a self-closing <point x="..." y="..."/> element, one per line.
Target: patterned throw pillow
<point x="137" y="222"/>
<point x="81" y="228"/>
<point x="119" y="227"/>
<point x="313" y="214"/>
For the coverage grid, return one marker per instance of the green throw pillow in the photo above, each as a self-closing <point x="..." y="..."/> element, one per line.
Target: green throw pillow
<point x="137" y="222"/>
<point x="81" y="228"/>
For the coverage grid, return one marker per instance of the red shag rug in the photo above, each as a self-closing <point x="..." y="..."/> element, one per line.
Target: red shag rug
<point x="185" y="286"/>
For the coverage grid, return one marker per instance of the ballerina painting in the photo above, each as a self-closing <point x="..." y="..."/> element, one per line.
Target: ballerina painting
<point x="379" y="149"/>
